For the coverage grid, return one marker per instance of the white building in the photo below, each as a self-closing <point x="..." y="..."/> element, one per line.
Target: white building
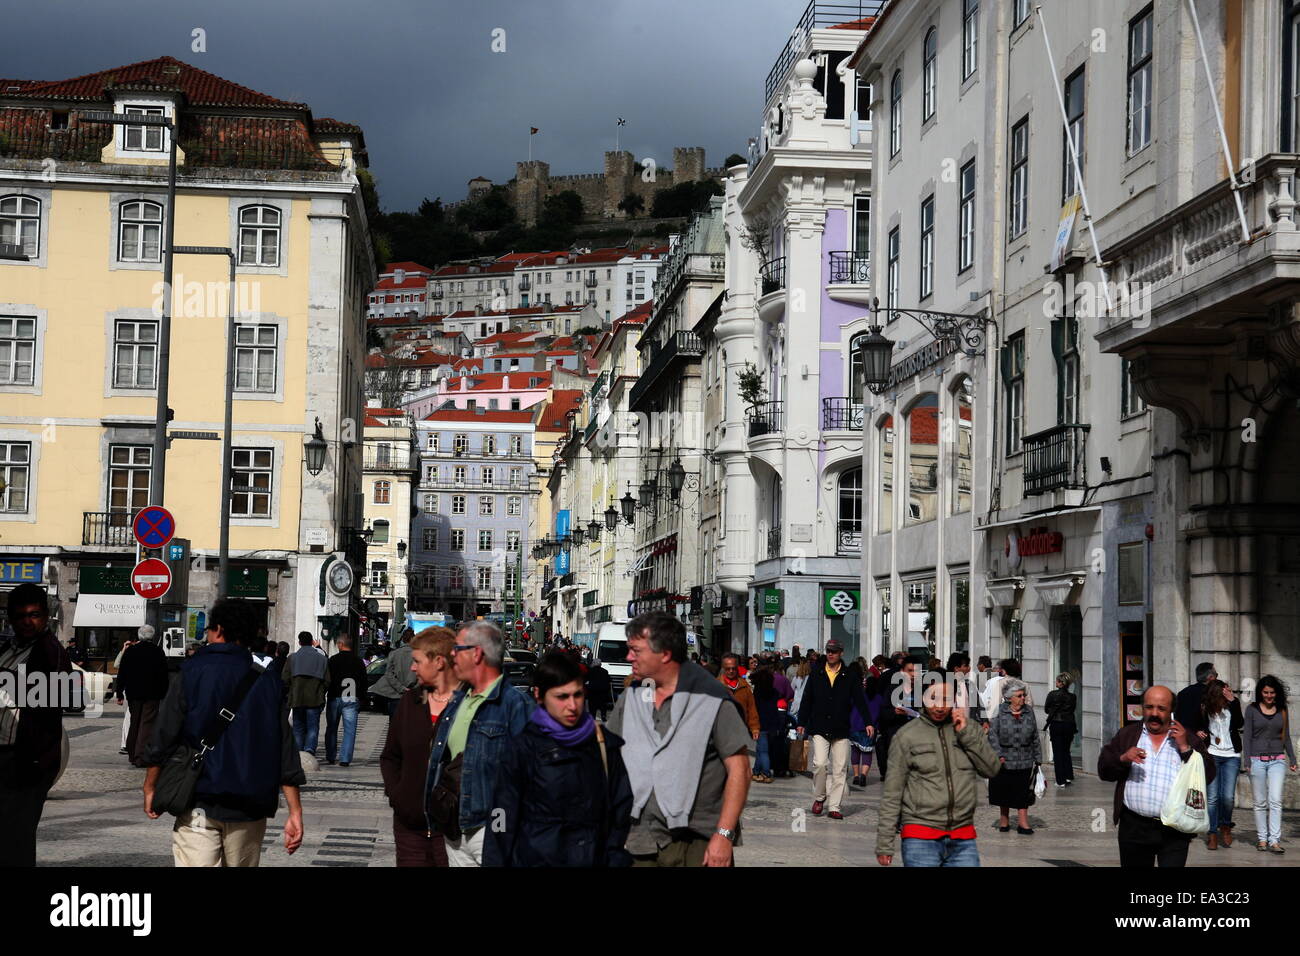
<point x="389" y="467"/>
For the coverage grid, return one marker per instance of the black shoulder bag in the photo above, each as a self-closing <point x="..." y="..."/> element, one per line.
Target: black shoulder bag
<point x="174" y="791"/>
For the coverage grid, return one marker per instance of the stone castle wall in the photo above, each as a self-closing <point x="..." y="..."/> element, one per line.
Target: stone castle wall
<point x="602" y="192"/>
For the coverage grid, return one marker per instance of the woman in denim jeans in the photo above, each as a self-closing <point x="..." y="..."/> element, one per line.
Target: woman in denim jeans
<point x="1221" y="716"/>
<point x="1266" y="749"/>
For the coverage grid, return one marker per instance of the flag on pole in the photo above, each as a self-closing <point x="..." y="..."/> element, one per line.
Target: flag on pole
<point x="621" y="121"/>
<point x="534" y="131"/>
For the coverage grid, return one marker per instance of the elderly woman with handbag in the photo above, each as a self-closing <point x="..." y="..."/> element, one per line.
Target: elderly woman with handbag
<point x="1013" y="732"/>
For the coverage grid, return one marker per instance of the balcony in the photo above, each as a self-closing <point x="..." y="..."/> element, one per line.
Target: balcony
<point x="765" y="418"/>
<point x="589" y="282"/>
<point x="772" y="276"/>
<point x="818" y="16"/>
<point x="850" y="268"/>
<point x="842" y="414"/>
<point x="850" y="542"/>
<point x="525" y="283"/>
<point x="107" y="529"/>
<point x="602" y="614"/>
<point x="680" y="347"/>
<point x="1056" y="458"/>
<point x="378" y="590"/>
<point x="392" y="459"/>
<point x="450" y="484"/>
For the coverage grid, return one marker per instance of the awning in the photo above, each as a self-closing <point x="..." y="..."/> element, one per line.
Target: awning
<point x="109" y="610"/>
<point x="639" y="564"/>
<point x="1027" y="519"/>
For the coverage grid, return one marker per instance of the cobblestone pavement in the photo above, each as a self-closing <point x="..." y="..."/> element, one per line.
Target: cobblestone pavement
<point x="94" y="817"/>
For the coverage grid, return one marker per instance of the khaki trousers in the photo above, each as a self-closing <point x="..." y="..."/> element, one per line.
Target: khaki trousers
<point x="678" y="853"/>
<point x="836" y="754"/>
<point x="198" y="840"/>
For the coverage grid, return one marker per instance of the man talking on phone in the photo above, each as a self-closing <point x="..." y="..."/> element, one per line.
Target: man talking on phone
<point x="1144" y="760"/>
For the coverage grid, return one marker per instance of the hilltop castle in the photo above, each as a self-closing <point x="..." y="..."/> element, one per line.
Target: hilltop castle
<point x="601" y="192"/>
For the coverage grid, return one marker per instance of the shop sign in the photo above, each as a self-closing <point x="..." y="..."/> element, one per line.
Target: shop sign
<point x="115" y="580"/>
<point x="246" y="582"/>
<point x="771" y="601"/>
<point x="839" y="602"/>
<point x="21" y="572"/>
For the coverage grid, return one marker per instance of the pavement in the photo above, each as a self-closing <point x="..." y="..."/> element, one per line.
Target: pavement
<point x="95" y="818"/>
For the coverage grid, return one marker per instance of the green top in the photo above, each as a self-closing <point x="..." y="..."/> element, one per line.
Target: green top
<point x="459" y="732"/>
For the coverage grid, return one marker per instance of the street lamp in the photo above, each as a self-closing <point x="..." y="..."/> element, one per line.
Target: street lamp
<point x="579" y="535"/>
<point x="676" y="478"/>
<point x="593" y="529"/>
<point x="611" y="518"/>
<point x="647" y="490"/>
<point x="315" y="448"/>
<point x="628" y="504"/>
<point x="876" y="351"/>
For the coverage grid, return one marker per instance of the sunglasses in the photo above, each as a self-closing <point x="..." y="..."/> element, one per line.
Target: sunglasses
<point x="457" y="648"/>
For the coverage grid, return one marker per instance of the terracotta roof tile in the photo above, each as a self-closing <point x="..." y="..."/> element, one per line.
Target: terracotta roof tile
<point x="200" y="87"/>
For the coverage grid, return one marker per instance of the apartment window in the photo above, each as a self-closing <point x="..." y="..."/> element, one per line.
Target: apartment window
<point x="487" y="474"/>
<point x="146" y="138"/>
<point x="963" y="460"/>
<point x="892" y="270"/>
<point x="1070" y="372"/>
<point x="255" y="357"/>
<point x="17" y="350"/>
<point x="1074" y="124"/>
<point x="432" y="441"/>
<point x="378" y="575"/>
<point x="1019" y="13"/>
<point x="515" y="406"/>
<point x="1018" y="215"/>
<point x="927" y="247"/>
<point x="929" y="73"/>
<point x="483" y="578"/>
<point x="568" y="297"/>
<point x="1291" y="81"/>
<point x="1139" y="81"/>
<point x="15" y="462"/>
<point x="1014" y="375"/>
<point x="426" y="377"/>
<point x="896" y="113"/>
<point x="516" y="477"/>
<point x="251" y="471"/>
<point x="512" y="540"/>
<point x="128" y="477"/>
<point x="862" y="224"/>
<point x="460" y="443"/>
<point x="259" y="236"/>
<point x="135" y="347"/>
<point x="921" y="468"/>
<point x="489" y="445"/>
<point x="430" y="539"/>
<point x="970" y="38"/>
<point x="431" y="504"/>
<point x="379" y="533"/>
<point x="486" y="505"/>
<point x="458" y="504"/>
<point x="456" y="574"/>
<point x="1131" y="402"/>
<point x="459" y="474"/>
<point x="382" y="491"/>
<point x="457" y="539"/>
<point x="966" y="218"/>
<point x="140" y="232"/>
<point x="850" y="511"/>
<point x="20" y="223"/>
<point x="485" y="539"/>
<point x="514" y="506"/>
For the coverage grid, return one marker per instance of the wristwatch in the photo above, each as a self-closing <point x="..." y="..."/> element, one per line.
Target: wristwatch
<point x="729" y="834"/>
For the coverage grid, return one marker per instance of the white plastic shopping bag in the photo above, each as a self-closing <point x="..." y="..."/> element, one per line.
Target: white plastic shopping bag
<point x="1185" y="808"/>
<point x="1040" y="782"/>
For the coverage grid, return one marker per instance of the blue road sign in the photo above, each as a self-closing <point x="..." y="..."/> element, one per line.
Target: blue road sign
<point x="175" y="552"/>
<point x="153" y="526"/>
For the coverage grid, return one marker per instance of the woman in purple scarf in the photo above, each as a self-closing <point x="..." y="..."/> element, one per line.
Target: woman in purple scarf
<point x="562" y="793"/>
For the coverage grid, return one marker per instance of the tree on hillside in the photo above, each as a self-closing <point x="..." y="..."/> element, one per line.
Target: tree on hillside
<point x="735" y="159"/>
<point x="678" y="202"/>
<point x="389" y="381"/>
<point x="562" y="209"/>
<point x="489" y="211"/>
<point x="632" y="204"/>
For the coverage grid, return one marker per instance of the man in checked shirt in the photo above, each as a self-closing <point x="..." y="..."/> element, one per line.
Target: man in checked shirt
<point x="1144" y="759"/>
<point x="31" y="737"/>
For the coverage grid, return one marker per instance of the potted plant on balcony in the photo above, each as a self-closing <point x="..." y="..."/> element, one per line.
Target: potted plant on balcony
<point x="753" y="389"/>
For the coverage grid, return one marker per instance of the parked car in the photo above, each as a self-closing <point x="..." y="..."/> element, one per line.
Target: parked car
<point x="519" y="654"/>
<point x="96" y="686"/>
<point x="520" y="674"/>
<point x="374" y="671"/>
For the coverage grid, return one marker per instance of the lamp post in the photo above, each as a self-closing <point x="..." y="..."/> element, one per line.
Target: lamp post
<point x="223" y="553"/>
<point x="628" y="504"/>
<point x="315" y="448"/>
<point x="158" y="467"/>
<point x="611" y="518"/>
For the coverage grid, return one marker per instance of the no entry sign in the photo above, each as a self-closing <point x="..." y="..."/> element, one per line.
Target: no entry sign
<point x="153" y="527"/>
<point x="151" y="578"/>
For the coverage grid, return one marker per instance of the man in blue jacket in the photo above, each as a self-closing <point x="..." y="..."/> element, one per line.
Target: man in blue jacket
<point x="254" y="760"/>
<point x="482" y="716"/>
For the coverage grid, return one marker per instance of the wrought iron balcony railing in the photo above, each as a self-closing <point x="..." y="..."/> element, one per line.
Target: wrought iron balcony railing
<point x="774" y="543"/>
<point x="681" y="346"/>
<point x="850" y="268"/>
<point x="842" y="414"/>
<point x="107" y="528"/>
<point x="1056" y="458"/>
<point x="772" y="274"/>
<point x="765" y="418"/>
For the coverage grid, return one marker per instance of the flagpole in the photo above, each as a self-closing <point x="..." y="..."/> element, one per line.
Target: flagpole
<point x="530" y="147"/>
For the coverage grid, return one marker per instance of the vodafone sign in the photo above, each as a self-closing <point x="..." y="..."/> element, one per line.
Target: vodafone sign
<point x="1038" y="541"/>
<point x="151" y="579"/>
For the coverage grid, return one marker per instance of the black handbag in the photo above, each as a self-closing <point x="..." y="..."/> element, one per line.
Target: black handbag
<point x="174" y="791"/>
<point x="444" y="799"/>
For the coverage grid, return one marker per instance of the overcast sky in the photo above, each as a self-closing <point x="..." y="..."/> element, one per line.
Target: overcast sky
<point x="438" y="106"/>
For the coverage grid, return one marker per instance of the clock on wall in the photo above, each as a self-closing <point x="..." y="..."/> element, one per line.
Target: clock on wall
<point x="340" y="577"/>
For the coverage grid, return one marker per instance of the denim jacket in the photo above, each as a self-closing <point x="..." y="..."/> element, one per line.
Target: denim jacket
<point x="503" y="715"/>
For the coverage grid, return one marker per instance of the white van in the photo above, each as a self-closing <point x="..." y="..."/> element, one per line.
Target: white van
<point x="611" y="651"/>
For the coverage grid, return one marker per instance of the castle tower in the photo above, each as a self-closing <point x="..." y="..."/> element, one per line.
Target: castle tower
<point x="688" y="164"/>
<point x="532" y="185"/>
<point x="620" y="173"/>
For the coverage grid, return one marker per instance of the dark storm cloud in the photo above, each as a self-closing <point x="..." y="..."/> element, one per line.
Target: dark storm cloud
<point x="438" y="106"/>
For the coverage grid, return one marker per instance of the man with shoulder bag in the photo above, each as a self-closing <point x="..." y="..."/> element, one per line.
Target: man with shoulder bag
<point x="222" y="750"/>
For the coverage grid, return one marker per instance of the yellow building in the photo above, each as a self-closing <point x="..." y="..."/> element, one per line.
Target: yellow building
<point x="79" y="326"/>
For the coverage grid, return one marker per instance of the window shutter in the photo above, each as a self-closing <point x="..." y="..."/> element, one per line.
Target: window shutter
<point x="1058" y="351"/>
<point x="1004" y="355"/>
